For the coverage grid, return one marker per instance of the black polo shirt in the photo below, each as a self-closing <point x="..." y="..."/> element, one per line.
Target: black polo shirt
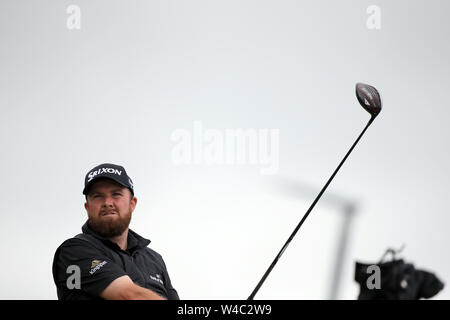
<point x="101" y="261"/>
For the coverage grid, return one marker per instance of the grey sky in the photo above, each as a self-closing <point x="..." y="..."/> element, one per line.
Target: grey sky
<point x="115" y="91"/>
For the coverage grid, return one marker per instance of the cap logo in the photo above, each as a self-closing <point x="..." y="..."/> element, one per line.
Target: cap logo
<point x="92" y="174"/>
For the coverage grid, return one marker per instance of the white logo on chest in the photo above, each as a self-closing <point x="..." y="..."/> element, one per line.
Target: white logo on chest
<point x="157" y="278"/>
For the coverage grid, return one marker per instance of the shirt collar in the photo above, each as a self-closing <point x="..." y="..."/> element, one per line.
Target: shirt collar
<point x="134" y="241"/>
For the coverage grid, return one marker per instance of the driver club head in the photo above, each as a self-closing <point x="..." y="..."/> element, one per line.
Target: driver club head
<point x="368" y="98"/>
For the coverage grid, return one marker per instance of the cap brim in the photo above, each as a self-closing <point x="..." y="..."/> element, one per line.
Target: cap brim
<point x="98" y="178"/>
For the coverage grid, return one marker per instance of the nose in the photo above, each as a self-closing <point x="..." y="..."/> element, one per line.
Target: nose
<point x="108" y="201"/>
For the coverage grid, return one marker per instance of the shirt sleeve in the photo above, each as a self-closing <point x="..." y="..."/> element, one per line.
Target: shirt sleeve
<point x="172" y="294"/>
<point x="97" y="271"/>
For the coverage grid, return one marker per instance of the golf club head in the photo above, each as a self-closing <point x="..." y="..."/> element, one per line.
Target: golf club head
<point x="368" y="98"/>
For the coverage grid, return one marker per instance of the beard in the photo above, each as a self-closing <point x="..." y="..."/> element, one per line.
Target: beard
<point x="110" y="227"/>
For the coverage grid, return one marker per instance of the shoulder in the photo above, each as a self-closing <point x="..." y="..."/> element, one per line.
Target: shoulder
<point x="155" y="257"/>
<point x="153" y="253"/>
<point x="80" y="240"/>
<point x="79" y="250"/>
<point x="77" y="247"/>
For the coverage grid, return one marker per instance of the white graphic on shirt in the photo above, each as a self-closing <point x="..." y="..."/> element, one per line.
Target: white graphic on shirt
<point x="97" y="265"/>
<point x="157" y="278"/>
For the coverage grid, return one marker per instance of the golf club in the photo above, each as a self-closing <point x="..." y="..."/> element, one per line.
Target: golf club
<point x="370" y="100"/>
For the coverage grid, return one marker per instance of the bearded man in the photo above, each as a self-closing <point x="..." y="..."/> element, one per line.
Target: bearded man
<point x="109" y="260"/>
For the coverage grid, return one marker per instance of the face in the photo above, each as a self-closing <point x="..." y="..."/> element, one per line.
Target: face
<point x="109" y="207"/>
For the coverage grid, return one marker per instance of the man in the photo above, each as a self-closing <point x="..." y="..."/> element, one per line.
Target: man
<point x="108" y="260"/>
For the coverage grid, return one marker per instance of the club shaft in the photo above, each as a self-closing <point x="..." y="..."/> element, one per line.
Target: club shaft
<point x="260" y="283"/>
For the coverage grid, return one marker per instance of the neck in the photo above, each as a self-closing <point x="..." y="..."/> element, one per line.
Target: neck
<point x="121" y="240"/>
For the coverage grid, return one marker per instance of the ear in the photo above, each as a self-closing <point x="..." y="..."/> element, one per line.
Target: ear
<point x="133" y="203"/>
<point x="86" y="206"/>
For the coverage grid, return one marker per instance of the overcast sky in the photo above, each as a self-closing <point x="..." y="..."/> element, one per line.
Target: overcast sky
<point x="134" y="84"/>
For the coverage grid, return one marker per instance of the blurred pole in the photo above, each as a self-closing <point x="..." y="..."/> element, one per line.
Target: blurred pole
<point x="345" y="206"/>
<point x="349" y="212"/>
